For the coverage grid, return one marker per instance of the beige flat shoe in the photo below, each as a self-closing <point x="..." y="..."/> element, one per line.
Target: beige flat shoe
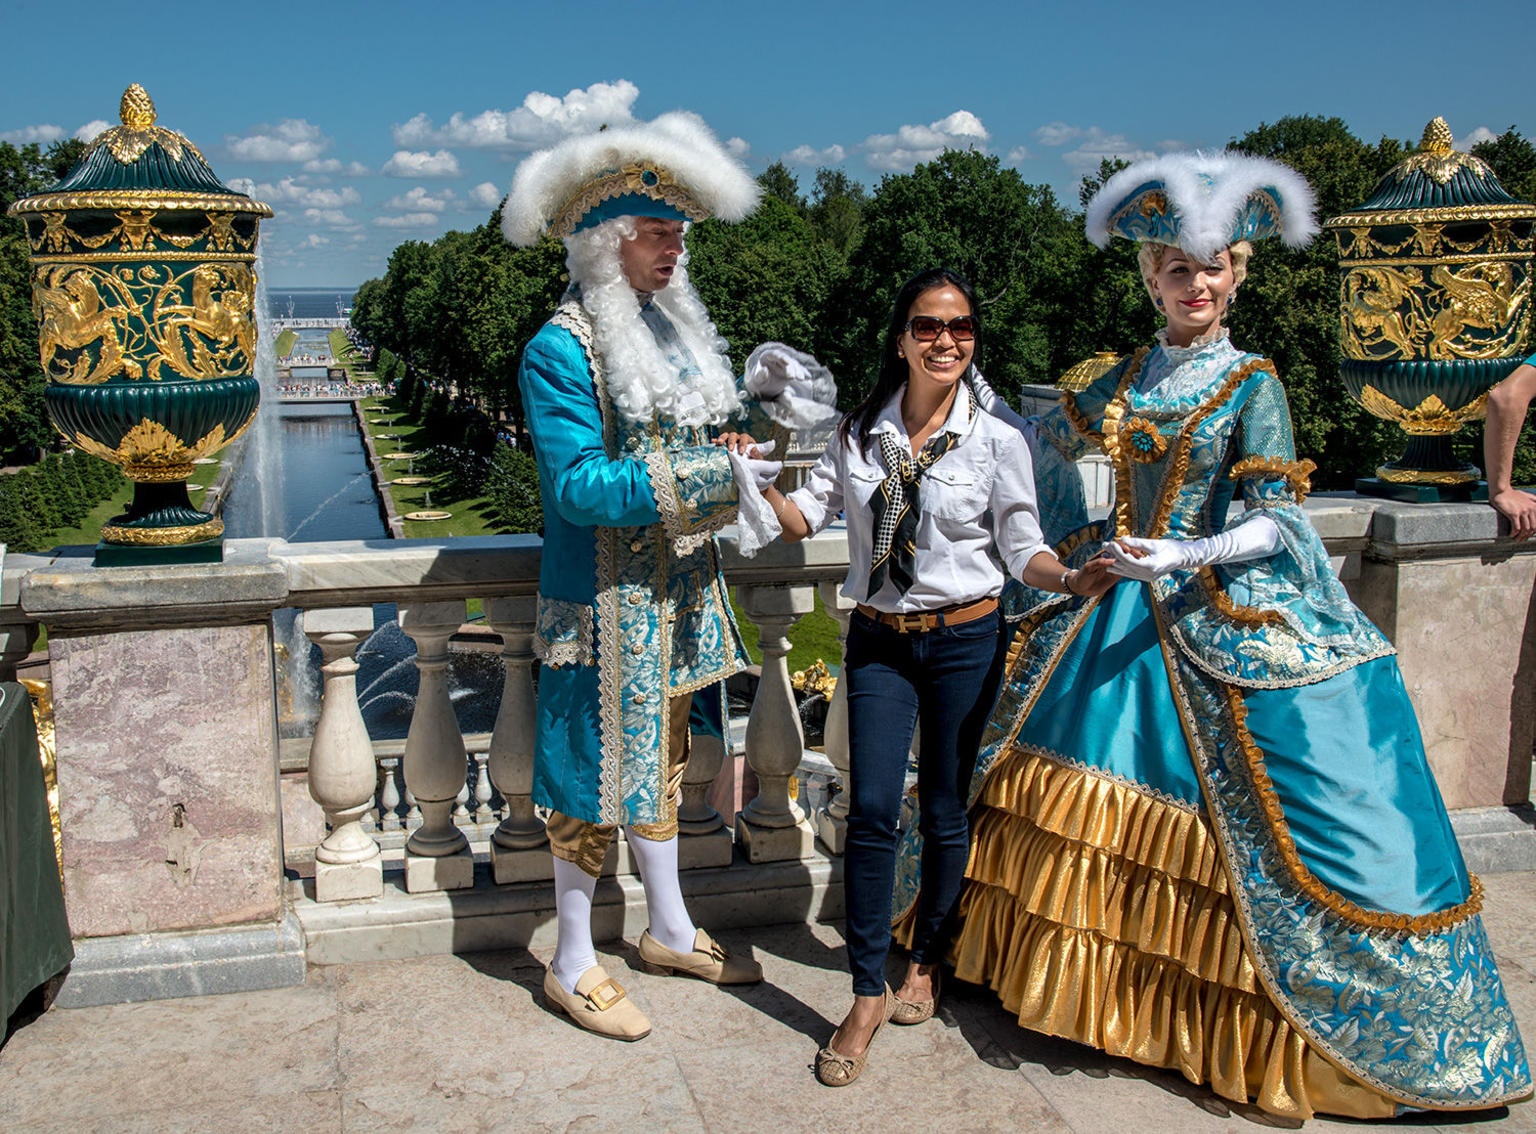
<point x="599" y="1004"/>
<point x="907" y="1012"/>
<point x="709" y="960"/>
<point x="834" y="1069"/>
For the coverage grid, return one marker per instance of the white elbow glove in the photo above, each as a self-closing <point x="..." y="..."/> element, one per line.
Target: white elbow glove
<point x="1252" y="539"/>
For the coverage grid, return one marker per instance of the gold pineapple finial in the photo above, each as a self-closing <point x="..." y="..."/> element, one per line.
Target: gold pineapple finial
<point x="137" y="109"/>
<point x="1437" y="137"/>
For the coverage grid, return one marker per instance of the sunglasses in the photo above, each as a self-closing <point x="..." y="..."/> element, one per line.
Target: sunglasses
<point x="926" y="328"/>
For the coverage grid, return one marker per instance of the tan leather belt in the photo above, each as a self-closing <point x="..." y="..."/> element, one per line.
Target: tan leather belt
<point x="918" y="621"/>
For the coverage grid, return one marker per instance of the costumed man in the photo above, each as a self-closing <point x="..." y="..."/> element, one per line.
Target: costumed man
<point x="625" y="389"/>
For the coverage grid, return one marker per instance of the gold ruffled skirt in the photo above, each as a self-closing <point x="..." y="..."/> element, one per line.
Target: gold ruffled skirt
<point x="1103" y="915"/>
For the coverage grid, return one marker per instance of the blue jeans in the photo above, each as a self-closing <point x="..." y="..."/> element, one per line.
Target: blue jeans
<point x="948" y="680"/>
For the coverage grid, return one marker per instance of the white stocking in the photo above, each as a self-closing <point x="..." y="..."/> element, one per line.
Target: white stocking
<point x="670" y="923"/>
<point x="574" y="954"/>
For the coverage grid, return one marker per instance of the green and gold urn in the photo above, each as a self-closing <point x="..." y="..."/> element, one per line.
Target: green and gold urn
<point x="144" y="288"/>
<point x="1434" y="308"/>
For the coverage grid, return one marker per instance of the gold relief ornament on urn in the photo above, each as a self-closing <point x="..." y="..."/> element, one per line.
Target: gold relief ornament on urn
<point x="143" y="286"/>
<point x="1434" y="308"/>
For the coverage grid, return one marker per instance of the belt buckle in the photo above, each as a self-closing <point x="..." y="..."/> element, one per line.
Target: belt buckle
<point x="908" y="623"/>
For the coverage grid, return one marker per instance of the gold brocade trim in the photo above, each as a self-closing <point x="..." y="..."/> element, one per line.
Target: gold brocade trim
<point x="1109" y="441"/>
<point x="1147" y="959"/>
<point x="140" y="199"/>
<point x="1243" y="615"/>
<point x="1297" y="473"/>
<point x="162" y="537"/>
<point x="1075" y="415"/>
<point x="632" y="178"/>
<point x="1146" y="443"/>
<point x="1308" y="882"/>
<point x="1173" y="475"/>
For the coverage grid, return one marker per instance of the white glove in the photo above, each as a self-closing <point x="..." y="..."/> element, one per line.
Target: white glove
<point x="755" y="471"/>
<point x="794" y="389"/>
<point x="1254" y="538"/>
<point x="757" y="525"/>
<point x="994" y="405"/>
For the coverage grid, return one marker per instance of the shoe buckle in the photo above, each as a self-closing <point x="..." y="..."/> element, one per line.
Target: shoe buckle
<point x="606" y="994"/>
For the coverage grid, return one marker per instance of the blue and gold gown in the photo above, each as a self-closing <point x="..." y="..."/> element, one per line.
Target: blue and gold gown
<point x="1205" y="835"/>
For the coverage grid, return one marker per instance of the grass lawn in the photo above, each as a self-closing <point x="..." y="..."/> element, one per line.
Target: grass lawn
<point x="346" y="354"/>
<point x="814" y="636"/>
<point x="284" y="344"/>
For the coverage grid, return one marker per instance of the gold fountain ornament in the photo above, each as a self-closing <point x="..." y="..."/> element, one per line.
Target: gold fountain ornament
<point x="1434" y="308"/>
<point x="144" y="287"/>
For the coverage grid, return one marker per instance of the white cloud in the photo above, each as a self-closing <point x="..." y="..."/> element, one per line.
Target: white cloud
<point x="292" y="139"/>
<point x="406" y="163"/>
<point x="291" y="190"/>
<point x="95" y="126"/>
<point x="409" y="220"/>
<point x="1057" y="134"/>
<point x="314" y="240"/>
<point x="335" y="165"/>
<point x="540" y="120"/>
<point x="487" y="193"/>
<point x="1018" y="154"/>
<point x="1097" y="145"/>
<point x="913" y="145"/>
<point x="809" y="155"/>
<point x="42" y="135"/>
<point x="332" y="218"/>
<point x="1480" y="134"/>
<point x="419" y="200"/>
<point x="737" y="147"/>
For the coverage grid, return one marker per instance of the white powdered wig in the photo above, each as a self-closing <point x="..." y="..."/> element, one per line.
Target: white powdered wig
<point x="678" y="142"/>
<point x="1207" y="194"/>
<point x="640" y="379"/>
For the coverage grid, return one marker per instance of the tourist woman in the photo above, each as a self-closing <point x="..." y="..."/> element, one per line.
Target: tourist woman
<point x="935" y="490"/>
<point x="1206" y="835"/>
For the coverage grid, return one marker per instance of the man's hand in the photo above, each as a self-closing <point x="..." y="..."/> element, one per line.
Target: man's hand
<point x="1095" y="577"/>
<point x="1520" y="508"/>
<point x="744" y="444"/>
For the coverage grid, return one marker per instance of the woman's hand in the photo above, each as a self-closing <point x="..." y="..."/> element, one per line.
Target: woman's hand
<point x="1095" y="578"/>
<point x="742" y="443"/>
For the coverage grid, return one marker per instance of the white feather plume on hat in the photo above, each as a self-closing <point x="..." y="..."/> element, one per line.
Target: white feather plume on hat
<point x="559" y="185"/>
<point x="1203" y="202"/>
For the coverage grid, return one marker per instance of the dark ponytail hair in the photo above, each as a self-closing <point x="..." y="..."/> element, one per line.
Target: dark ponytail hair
<point x="893" y="369"/>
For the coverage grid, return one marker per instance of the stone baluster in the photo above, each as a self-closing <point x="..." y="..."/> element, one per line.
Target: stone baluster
<point x="483" y="793"/>
<point x="389" y="794"/>
<point x="342" y="771"/>
<point x="519" y="849"/>
<point x="704" y="839"/>
<point x="832" y="821"/>
<point x="437" y="854"/>
<point x="772" y="827"/>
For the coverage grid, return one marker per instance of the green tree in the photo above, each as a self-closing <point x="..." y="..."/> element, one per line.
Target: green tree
<point x="1513" y="159"/>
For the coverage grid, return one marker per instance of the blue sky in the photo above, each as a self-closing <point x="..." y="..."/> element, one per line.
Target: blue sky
<point x="367" y="124"/>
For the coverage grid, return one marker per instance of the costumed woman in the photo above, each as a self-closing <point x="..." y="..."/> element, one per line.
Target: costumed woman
<point x="936" y="493"/>
<point x="1206" y="836"/>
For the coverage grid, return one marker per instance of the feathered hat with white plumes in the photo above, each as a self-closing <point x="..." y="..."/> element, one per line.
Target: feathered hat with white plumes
<point x="1203" y="203"/>
<point x="672" y="167"/>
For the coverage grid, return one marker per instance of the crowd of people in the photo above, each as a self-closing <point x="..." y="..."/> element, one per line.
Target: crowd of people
<point x="1171" y="797"/>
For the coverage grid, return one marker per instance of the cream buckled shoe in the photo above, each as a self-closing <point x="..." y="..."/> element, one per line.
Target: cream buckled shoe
<point x="599" y="1004"/>
<point x="709" y="960"/>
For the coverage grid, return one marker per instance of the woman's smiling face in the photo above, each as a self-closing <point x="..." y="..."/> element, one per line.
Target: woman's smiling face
<point x="1194" y="295"/>
<point x="944" y="359"/>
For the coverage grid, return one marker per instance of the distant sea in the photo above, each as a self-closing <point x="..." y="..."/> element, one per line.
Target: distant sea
<point x="309" y="302"/>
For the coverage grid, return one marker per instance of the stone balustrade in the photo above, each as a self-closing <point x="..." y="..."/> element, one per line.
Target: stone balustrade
<point x="287" y="852"/>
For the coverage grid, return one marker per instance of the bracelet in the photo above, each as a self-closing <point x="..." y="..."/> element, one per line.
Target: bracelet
<point x="778" y="513"/>
<point x="1066" y="581"/>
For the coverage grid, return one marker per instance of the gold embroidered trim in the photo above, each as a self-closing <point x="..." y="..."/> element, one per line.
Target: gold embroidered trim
<point x="1146" y="443"/>
<point x="653" y="181"/>
<point x="1109" y="440"/>
<point x="1297" y="473"/>
<point x="1243" y="615"/>
<point x="1308" y="882"/>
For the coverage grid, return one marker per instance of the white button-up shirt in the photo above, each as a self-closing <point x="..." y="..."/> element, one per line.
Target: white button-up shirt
<point x="977" y="509"/>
